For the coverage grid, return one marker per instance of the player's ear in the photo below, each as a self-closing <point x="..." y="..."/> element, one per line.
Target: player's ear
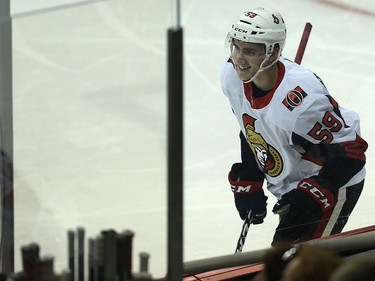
<point x="274" y="56"/>
<point x="275" y="53"/>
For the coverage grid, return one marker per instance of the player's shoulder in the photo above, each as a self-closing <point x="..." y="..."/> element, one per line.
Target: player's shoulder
<point x="301" y="84"/>
<point x="299" y="91"/>
<point x="294" y="71"/>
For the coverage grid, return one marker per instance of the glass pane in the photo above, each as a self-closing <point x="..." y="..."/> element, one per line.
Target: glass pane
<point x="212" y="223"/>
<point x="90" y="126"/>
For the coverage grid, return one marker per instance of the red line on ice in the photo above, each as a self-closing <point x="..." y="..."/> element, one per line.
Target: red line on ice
<point x="347" y="7"/>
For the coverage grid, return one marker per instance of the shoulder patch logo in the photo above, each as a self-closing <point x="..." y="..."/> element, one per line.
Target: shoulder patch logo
<point x="294" y="98"/>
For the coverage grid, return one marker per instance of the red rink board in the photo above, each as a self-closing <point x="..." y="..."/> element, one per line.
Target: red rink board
<point x="241" y="272"/>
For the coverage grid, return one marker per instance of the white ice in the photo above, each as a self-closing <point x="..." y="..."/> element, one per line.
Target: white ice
<point x="90" y="117"/>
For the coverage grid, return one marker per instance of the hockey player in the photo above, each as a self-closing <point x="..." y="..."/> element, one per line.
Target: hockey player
<point x="294" y="135"/>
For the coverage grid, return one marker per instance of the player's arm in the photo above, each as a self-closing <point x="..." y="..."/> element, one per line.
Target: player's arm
<point x="330" y="142"/>
<point x="246" y="180"/>
<point x="340" y="161"/>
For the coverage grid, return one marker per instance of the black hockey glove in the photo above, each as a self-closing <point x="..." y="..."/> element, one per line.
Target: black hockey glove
<point x="248" y="194"/>
<point x="301" y="210"/>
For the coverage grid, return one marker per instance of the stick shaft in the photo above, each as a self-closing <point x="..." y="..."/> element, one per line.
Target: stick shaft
<point x="245" y="228"/>
<point x="303" y="43"/>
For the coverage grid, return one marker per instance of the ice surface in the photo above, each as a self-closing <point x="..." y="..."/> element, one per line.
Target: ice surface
<point x="90" y="118"/>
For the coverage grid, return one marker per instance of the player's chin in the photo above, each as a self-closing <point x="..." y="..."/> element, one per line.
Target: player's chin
<point x="243" y="75"/>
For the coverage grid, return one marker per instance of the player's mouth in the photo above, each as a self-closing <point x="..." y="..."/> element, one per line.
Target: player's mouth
<point x="243" y="67"/>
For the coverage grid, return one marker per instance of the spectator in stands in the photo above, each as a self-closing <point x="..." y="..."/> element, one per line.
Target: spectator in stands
<point x="310" y="263"/>
<point x="273" y="263"/>
<point x="286" y="262"/>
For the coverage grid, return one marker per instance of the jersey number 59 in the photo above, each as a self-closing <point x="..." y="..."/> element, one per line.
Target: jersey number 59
<point x="322" y="131"/>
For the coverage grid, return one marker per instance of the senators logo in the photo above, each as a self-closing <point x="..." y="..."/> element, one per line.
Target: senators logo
<point x="294" y="98"/>
<point x="268" y="157"/>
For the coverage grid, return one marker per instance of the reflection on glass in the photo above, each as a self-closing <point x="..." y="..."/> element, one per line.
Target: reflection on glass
<point x="89" y="126"/>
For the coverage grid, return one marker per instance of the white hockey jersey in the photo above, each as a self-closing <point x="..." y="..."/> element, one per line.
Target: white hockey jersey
<point x="299" y="105"/>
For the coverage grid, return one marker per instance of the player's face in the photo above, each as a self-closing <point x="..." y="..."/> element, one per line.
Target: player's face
<point x="247" y="58"/>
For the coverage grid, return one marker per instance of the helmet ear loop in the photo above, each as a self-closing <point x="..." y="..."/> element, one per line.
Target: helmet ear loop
<point x="228" y="47"/>
<point x="270" y="54"/>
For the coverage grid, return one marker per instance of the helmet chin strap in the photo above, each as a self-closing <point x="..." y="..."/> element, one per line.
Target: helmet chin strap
<point x="261" y="68"/>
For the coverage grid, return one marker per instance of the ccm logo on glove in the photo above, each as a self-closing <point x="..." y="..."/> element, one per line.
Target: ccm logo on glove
<point x="243" y="189"/>
<point x="244" y="186"/>
<point x="321" y="195"/>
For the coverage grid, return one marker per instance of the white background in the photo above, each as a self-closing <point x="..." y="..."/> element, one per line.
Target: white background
<point x="90" y="117"/>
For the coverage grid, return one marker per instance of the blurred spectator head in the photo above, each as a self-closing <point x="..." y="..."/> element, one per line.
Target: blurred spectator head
<point x="309" y="263"/>
<point x="273" y="263"/>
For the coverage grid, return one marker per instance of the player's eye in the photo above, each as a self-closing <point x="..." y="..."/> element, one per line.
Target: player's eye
<point x="250" y="52"/>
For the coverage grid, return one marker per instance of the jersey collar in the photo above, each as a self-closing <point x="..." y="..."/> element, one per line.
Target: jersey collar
<point x="260" y="102"/>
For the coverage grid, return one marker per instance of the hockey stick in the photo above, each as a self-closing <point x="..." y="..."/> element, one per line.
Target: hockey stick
<point x="245" y="228"/>
<point x="249" y="218"/>
<point x="303" y="43"/>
